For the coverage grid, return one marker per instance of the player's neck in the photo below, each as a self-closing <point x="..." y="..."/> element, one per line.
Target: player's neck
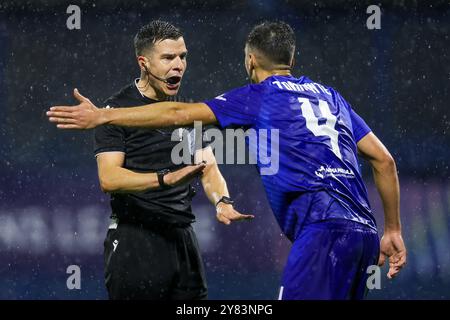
<point x="147" y="90"/>
<point x="262" y="75"/>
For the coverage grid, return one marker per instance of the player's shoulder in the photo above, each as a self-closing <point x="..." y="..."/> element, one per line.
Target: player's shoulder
<point x="251" y="89"/>
<point x="324" y="86"/>
<point x="329" y="90"/>
<point x="247" y="92"/>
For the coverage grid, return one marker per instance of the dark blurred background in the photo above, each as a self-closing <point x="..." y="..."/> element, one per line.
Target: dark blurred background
<point x="52" y="213"/>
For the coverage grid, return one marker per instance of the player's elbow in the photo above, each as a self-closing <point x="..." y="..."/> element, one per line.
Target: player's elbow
<point x="386" y="163"/>
<point x="388" y="160"/>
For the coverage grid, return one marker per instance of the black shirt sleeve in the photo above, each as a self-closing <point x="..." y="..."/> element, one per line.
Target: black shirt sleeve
<point x="109" y="137"/>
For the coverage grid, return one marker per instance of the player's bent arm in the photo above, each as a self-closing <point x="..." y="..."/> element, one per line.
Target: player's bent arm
<point x="158" y="115"/>
<point x="386" y="178"/>
<point x="116" y="179"/>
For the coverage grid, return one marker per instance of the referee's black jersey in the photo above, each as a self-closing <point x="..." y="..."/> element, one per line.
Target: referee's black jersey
<point x="146" y="150"/>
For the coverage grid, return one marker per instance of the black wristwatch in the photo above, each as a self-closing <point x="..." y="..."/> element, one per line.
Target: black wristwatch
<point x="161" y="174"/>
<point x="226" y="200"/>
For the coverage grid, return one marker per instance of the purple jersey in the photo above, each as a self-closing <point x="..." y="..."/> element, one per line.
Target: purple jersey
<point x="316" y="146"/>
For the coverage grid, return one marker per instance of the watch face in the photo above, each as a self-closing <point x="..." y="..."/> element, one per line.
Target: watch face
<point x="227" y="200"/>
<point x="163" y="171"/>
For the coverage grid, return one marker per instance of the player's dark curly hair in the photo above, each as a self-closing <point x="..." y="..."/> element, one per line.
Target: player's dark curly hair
<point x="153" y="32"/>
<point x="275" y="40"/>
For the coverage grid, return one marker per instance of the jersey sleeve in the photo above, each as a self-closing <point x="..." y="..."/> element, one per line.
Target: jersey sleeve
<point x="360" y="127"/>
<point x="238" y="107"/>
<point x="109" y="138"/>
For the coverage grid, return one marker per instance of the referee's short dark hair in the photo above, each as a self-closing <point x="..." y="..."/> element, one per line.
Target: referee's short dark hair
<point x="275" y="40"/>
<point x="153" y="32"/>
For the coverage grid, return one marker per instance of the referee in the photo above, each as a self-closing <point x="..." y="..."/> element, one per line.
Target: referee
<point x="151" y="251"/>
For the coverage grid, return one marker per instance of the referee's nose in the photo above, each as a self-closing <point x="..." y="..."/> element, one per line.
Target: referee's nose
<point x="179" y="65"/>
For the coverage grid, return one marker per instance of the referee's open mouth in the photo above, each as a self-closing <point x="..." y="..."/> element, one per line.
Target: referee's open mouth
<point x="173" y="82"/>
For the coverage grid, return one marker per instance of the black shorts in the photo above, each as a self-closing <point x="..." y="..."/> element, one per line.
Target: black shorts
<point x="158" y="263"/>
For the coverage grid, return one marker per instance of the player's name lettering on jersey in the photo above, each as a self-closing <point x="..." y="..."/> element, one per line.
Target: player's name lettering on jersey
<point x="292" y="86"/>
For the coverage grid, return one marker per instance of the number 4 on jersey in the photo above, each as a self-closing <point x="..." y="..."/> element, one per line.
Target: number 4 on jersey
<point x="326" y="129"/>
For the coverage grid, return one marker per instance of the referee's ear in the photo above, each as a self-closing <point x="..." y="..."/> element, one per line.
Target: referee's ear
<point x="141" y="62"/>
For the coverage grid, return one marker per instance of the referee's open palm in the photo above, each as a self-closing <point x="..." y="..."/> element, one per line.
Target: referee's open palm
<point x="184" y="175"/>
<point x="226" y="214"/>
